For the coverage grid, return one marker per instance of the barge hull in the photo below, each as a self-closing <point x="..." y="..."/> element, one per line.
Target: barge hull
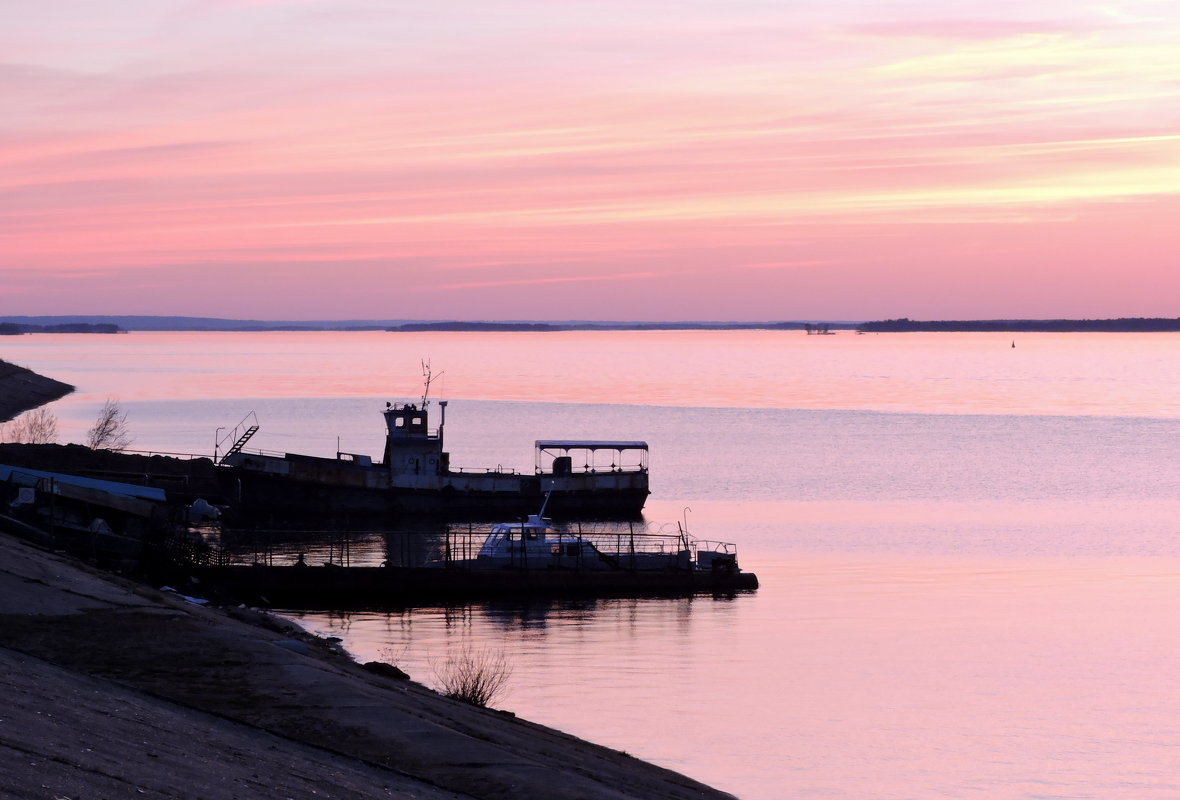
<point x="261" y="496"/>
<point x="336" y="587"/>
<point x="589" y="479"/>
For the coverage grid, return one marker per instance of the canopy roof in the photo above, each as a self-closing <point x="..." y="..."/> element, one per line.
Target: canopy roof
<point x="583" y="444"/>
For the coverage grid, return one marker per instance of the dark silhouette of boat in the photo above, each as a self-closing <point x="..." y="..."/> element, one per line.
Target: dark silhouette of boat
<point x="589" y="478"/>
<point x="532" y="558"/>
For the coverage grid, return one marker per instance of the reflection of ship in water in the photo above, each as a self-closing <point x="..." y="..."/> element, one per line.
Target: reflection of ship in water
<point x="346" y="546"/>
<point x="597" y="479"/>
<point x="534" y="543"/>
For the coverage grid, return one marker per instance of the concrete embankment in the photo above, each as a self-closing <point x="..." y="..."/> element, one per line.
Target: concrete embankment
<point x="114" y="689"/>
<point x="21" y="390"/>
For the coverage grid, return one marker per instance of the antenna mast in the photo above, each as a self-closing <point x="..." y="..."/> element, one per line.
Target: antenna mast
<point x="426" y="379"/>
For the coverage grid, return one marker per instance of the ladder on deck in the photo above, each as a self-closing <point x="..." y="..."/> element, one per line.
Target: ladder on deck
<point x="241" y="442"/>
<point x="246" y="432"/>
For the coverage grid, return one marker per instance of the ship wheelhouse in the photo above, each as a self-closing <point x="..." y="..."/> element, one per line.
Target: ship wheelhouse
<point x="411" y="447"/>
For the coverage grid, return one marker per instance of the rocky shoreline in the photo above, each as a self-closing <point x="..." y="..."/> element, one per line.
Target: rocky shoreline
<point x="22" y="389"/>
<point x="117" y="689"/>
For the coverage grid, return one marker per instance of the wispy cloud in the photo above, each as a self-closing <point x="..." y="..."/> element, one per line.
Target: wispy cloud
<point x="968" y="29"/>
<point x="663" y="144"/>
<point x="545" y="280"/>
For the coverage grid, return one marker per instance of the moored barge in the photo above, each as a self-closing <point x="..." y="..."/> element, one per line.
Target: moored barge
<point x="331" y="587"/>
<point x="531" y="558"/>
<point x="589" y="478"/>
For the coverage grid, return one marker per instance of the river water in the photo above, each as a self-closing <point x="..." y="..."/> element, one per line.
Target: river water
<point x="967" y="549"/>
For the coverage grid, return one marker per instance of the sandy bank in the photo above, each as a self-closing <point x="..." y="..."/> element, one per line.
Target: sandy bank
<point x="114" y="689"/>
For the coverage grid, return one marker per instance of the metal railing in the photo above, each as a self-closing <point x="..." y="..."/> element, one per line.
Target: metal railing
<point x="617" y="546"/>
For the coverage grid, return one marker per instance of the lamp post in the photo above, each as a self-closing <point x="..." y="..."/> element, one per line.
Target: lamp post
<point x="217" y="441"/>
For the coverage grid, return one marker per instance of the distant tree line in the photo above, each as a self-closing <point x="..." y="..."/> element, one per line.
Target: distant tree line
<point x="16" y="328"/>
<point x="1120" y="325"/>
<point x="474" y="326"/>
<point x="613" y="326"/>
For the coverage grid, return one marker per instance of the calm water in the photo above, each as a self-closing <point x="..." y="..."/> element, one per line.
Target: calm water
<point x="968" y="551"/>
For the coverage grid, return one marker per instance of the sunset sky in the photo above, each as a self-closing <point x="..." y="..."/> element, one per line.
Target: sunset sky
<point x="649" y="159"/>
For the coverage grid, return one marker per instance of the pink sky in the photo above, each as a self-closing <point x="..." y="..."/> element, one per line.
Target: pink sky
<point x="697" y="159"/>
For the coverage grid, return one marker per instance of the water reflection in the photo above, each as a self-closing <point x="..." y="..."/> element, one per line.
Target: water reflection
<point x="969" y="598"/>
<point x="1075" y="373"/>
<point x="410" y="545"/>
<point x="515" y="624"/>
<point x="849" y="676"/>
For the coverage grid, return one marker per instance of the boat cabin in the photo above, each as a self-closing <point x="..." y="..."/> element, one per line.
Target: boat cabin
<point x="411" y="447"/>
<point x="536" y="544"/>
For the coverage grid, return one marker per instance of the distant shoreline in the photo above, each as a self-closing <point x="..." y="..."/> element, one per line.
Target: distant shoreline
<point x="1120" y="325"/>
<point x="418" y="327"/>
<point x="123" y="324"/>
<point x="17" y="328"/>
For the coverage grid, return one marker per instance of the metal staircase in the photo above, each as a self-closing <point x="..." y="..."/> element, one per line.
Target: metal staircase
<point x="237" y="446"/>
<point x="243" y="431"/>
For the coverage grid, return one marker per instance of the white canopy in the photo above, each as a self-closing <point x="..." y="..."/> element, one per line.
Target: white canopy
<point x="580" y="444"/>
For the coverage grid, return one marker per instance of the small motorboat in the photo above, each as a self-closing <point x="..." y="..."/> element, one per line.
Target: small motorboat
<point x="536" y="543"/>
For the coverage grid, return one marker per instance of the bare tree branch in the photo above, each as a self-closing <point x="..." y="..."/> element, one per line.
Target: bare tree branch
<point x="33" y="427"/>
<point x="110" y="429"/>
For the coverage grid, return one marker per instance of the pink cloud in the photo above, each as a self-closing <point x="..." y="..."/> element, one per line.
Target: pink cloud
<point x="979" y="28"/>
<point x="752" y="157"/>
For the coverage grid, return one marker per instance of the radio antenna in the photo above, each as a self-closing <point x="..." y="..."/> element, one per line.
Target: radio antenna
<point x="427" y="377"/>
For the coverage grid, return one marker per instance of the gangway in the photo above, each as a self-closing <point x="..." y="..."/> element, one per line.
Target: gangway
<point x="243" y="431"/>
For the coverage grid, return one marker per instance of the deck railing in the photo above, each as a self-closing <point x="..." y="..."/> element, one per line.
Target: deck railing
<point x="623" y="546"/>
